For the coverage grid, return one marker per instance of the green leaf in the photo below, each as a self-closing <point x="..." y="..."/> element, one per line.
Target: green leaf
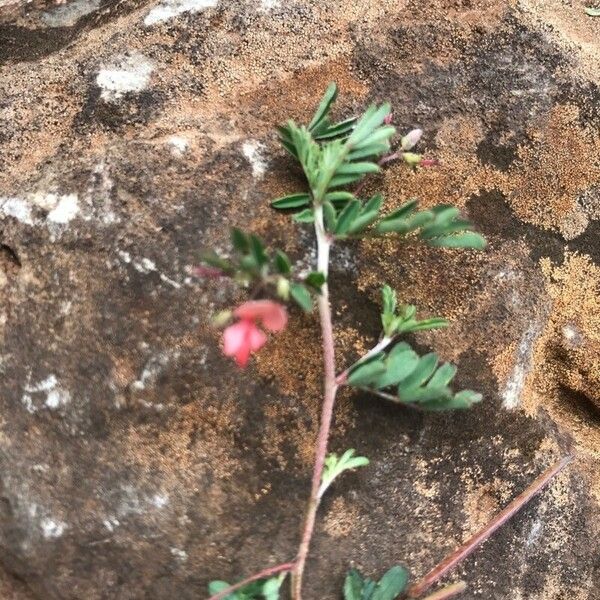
<point x="434" y="229"/>
<point x="270" y="588"/>
<point x="392" y="584"/>
<point x="422" y="372"/>
<point x="341" y="180"/>
<point x="468" y="239"/>
<point x="373" y="204"/>
<point x="257" y="250"/>
<point x="408" y="311"/>
<point x="400" y="363"/>
<point x="425" y="394"/>
<point x="330" y="215"/>
<point x="592" y="12"/>
<point x="339" y="197"/>
<point x="465" y="399"/>
<point x="305" y="216"/>
<point x="321" y="127"/>
<point x="292" y="201"/>
<point x="371" y="150"/>
<point x="368" y="589"/>
<point x="248" y="263"/>
<point x="357" y="168"/>
<point x="403" y="211"/>
<point x="405" y="225"/>
<point x="324" y="106"/>
<point x="338" y="130"/>
<point x="444" y="213"/>
<point x="426" y="324"/>
<point x="214" y="587"/>
<point x="308" y="151"/>
<point x="468" y="396"/>
<point x="368" y="214"/>
<point x="353" y="585"/>
<point x="367" y="372"/>
<point x="347" y="216"/>
<point x="302" y="296"/>
<point x="362" y="222"/>
<point x="335" y="466"/>
<point x="389" y="299"/>
<point x="379" y="136"/>
<point x="284" y="133"/>
<point x="315" y="279"/>
<point x="460" y="401"/>
<point x="286" y="141"/>
<point x="212" y="259"/>
<point x="443" y="376"/>
<point x="282" y="263"/>
<point x="239" y="240"/>
<point x="370" y="120"/>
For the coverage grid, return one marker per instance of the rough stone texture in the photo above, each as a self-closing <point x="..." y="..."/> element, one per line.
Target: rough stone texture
<point x="135" y="461"/>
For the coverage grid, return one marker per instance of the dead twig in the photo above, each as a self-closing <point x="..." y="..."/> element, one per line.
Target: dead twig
<point x="420" y="587"/>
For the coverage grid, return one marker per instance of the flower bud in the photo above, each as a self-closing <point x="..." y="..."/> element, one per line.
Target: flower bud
<point x="411" y="139"/>
<point x="283" y="288"/>
<point x="221" y="318"/>
<point x="412" y="159"/>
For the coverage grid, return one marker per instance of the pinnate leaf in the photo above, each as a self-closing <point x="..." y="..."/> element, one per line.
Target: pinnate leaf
<point x="299" y="200"/>
<point x="367" y="372"/>
<point x="324" y="106"/>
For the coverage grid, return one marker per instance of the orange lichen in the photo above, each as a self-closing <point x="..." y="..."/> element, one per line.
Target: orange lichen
<point x="566" y="373"/>
<point x="561" y="163"/>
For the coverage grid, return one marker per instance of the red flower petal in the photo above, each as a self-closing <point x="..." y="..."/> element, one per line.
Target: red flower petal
<point x="272" y="314"/>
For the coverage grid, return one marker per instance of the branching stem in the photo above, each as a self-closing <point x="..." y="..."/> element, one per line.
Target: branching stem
<point x="381" y="345"/>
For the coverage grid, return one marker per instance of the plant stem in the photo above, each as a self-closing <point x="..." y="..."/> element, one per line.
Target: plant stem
<point x="330" y="389"/>
<point x="269" y="572"/>
<point x="381" y="345"/>
<point x="448" y="591"/>
<point x="473" y="542"/>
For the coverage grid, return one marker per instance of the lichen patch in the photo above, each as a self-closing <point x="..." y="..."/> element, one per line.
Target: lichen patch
<point x="126" y="74"/>
<point x="169" y="9"/>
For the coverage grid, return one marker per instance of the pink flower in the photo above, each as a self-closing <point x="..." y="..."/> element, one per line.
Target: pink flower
<point x="244" y="337"/>
<point x="388" y="119"/>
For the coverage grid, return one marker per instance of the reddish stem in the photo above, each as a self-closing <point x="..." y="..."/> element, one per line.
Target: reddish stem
<point x="473" y="542"/>
<point x="260" y="575"/>
<point x="322" y="439"/>
<point x="448" y="591"/>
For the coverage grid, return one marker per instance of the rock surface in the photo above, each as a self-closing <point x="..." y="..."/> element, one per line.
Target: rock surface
<point x="135" y="461"/>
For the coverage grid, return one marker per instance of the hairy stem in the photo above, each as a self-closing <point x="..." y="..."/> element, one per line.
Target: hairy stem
<point x="269" y="572"/>
<point x="330" y="389"/>
<point x="502" y="517"/>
